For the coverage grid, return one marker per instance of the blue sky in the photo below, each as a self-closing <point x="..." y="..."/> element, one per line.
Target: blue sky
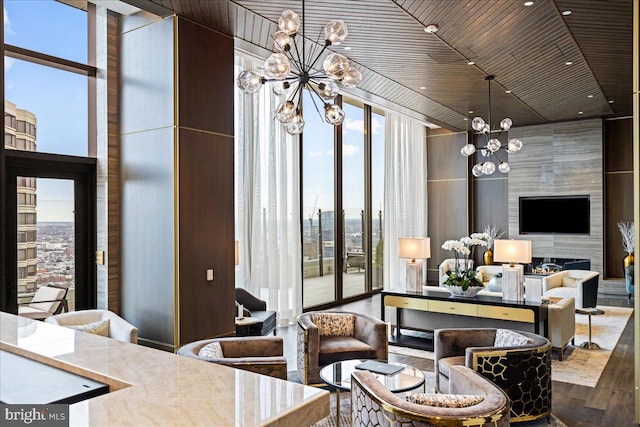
<point x="57" y="98"/>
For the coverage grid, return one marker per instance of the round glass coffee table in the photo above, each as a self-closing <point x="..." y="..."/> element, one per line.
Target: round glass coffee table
<point x="338" y="374"/>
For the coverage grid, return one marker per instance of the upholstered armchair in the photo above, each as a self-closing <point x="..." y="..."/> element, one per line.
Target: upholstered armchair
<point x="325" y="337"/>
<point x="118" y="329"/>
<point x="522" y="369"/>
<point x="262" y="355"/>
<point x="373" y="404"/>
<point x="562" y="324"/>
<point x="449" y="264"/>
<point x="579" y="284"/>
<point x="629" y="280"/>
<point x="257" y="308"/>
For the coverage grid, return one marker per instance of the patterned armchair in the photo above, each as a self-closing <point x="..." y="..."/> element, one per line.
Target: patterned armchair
<point x="522" y="370"/>
<point x="373" y="404"/>
<point x="325" y="337"/>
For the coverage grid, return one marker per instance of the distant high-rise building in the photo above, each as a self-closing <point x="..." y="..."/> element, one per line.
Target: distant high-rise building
<point x="20" y="134"/>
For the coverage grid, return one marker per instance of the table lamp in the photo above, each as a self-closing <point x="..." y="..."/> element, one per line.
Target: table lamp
<point x="414" y="248"/>
<point x="512" y="251"/>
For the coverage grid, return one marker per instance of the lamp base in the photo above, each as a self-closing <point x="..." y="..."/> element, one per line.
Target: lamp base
<point x="414" y="276"/>
<point x="512" y="289"/>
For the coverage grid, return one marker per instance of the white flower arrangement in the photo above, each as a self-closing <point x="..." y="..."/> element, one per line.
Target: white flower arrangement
<point x="462" y="276"/>
<point x="627" y="230"/>
<point x="493" y="233"/>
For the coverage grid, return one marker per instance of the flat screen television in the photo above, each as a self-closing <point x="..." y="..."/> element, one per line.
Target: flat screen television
<point x="555" y="215"/>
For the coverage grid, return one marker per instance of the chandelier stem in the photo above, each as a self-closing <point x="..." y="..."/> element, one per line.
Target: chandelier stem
<point x="317" y="57"/>
<point x="303" y="17"/>
<point x="316" y="105"/>
<point x="295" y="47"/>
<point x="489" y="78"/>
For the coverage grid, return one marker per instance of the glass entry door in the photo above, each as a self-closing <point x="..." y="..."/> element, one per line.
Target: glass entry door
<point x="50" y="229"/>
<point x="46" y="237"/>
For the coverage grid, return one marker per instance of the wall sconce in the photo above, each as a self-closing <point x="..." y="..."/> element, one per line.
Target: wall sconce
<point x="414" y="248"/>
<point x="512" y="251"/>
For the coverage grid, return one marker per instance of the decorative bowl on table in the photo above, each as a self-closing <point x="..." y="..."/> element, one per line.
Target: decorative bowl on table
<point x="457" y="291"/>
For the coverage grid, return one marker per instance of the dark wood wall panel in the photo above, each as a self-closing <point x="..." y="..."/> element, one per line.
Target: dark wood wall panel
<point x="206" y="80"/>
<point x="447" y="189"/>
<point x="489" y="206"/>
<point x="618" y="152"/>
<point x="206" y="236"/>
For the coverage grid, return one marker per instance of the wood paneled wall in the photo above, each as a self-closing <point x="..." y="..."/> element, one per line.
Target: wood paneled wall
<point x="618" y="190"/>
<point x="447" y="189"/>
<point x="177" y="180"/>
<point x="560" y="159"/>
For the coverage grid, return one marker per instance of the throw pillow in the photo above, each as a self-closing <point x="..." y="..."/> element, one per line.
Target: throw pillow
<point x="97" y="328"/>
<point x="334" y="324"/>
<point x="444" y="400"/>
<point x="570" y="282"/>
<point x="211" y="351"/>
<point x="487" y="276"/>
<point x="508" y="338"/>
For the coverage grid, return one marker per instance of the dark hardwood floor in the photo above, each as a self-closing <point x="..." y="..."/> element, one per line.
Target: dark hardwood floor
<point x="610" y="403"/>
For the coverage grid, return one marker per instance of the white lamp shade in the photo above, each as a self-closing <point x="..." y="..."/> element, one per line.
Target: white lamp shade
<point x="414" y="247"/>
<point x="512" y="251"/>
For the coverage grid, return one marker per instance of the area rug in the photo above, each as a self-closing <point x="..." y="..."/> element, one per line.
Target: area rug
<point x="579" y="366"/>
<point x="345" y="410"/>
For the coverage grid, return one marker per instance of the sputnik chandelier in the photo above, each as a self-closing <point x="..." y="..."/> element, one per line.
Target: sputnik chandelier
<point x="290" y="72"/>
<point x="491" y="150"/>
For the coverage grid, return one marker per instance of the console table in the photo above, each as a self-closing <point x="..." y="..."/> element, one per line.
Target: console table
<point x="440" y="305"/>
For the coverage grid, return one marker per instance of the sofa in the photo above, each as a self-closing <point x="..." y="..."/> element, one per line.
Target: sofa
<point x="257" y="308"/>
<point x="118" y="328"/>
<point x="522" y="369"/>
<point x="579" y="284"/>
<point x="262" y="355"/>
<point x="373" y="404"/>
<point x="325" y="337"/>
<point x="486" y="273"/>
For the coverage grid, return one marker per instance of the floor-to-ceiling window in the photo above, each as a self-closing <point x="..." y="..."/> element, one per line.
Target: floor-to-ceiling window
<point x="46" y="97"/>
<point x="342" y="191"/>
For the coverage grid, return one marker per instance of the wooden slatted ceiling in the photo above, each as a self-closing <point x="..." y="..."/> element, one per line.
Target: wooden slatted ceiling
<point x="525" y="48"/>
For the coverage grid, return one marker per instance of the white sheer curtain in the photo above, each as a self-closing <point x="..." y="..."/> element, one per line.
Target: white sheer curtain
<point x="405" y="192"/>
<point x="267" y="178"/>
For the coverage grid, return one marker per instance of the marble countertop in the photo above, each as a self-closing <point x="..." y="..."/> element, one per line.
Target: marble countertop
<point x="153" y="387"/>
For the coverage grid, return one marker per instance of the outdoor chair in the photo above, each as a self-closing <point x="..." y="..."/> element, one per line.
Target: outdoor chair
<point x="47" y="301"/>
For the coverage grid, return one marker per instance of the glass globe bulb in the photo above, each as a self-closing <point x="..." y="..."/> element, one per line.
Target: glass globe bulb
<point x="281" y="88"/>
<point x="468" y="150"/>
<point x="335" y="32"/>
<point x="335" y="66"/>
<point x="477" y="123"/>
<point x="488" y="167"/>
<point x="514" y="145"/>
<point x="286" y="112"/>
<point x="328" y="90"/>
<point x="504" y="167"/>
<point x="249" y="81"/>
<point x="493" y="145"/>
<point x="296" y="126"/>
<point x="282" y="41"/>
<point x="477" y="170"/>
<point x="505" y="124"/>
<point x="486" y="128"/>
<point x="334" y="114"/>
<point x="351" y="78"/>
<point x="277" y="66"/>
<point x="289" y="22"/>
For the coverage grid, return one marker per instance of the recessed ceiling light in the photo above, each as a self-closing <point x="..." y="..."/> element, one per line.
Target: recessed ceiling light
<point x="589" y="96"/>
<point x="566" y="12"/>
<point x="580" y="113"/>
<point x="347" y="48"/>
<point x="465" y="119"/>
<point x="568" y="63"/>
<point x="423" y="87"/>
<point x="611" y="101"/>
<point x="431" y="28"/>
<point x="528" y="3"/>
<point x="470" y="63"/>
<point x="507" y="91"/>
<point x="470" y="111"/>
